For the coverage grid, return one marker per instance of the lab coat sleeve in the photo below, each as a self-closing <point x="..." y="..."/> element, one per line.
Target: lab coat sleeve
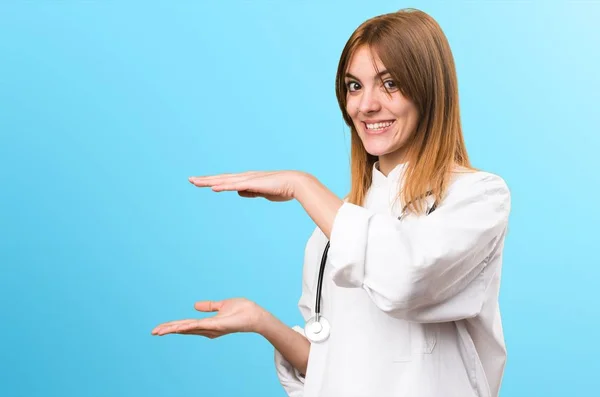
<point x="289" y="377"/>
<point x="422" y="264"/>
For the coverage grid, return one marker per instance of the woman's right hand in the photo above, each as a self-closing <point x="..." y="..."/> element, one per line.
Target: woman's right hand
<point x="234" y="315"/>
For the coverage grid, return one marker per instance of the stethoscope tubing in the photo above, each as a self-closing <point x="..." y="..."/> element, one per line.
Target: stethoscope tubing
<point x="317" y="316"/>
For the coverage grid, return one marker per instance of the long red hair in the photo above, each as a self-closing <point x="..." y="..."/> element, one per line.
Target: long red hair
<point x="415" y="51"/>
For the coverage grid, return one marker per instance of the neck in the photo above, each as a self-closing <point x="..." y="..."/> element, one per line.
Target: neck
<point x="388" y="163"/>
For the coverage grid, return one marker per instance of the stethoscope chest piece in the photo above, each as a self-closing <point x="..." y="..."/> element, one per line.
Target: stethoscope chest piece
<point x="317" y="330"/>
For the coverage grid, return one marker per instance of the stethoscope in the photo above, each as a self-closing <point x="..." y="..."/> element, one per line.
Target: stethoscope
<point x="317" y="328"/>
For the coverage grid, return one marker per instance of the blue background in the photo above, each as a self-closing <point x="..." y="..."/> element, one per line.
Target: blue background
<point x="106" y="108"/>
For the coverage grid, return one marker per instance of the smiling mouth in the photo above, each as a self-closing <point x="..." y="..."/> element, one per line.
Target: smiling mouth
<point x="379" y="127"/>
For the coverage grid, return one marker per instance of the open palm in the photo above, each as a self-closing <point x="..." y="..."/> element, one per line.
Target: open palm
<point x="234" y="315"/>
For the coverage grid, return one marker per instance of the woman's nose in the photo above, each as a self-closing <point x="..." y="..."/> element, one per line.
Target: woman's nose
<point x="369" y="102"/>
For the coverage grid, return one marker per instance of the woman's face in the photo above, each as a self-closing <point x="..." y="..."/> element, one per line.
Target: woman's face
<point x="383" y="121"/>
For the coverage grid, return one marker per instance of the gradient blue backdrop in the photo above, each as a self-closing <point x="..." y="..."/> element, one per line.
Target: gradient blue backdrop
<point x="107" y="107"/>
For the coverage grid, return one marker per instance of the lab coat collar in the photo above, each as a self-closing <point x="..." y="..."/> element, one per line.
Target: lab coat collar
<point x="394" y="176"/>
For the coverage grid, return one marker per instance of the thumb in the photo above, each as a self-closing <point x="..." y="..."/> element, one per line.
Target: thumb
<point x="208" y="306"/>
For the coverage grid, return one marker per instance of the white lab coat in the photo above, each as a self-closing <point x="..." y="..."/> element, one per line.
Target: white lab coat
<point x="412" y="303"/>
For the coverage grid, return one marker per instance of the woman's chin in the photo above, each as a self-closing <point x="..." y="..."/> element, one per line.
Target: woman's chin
<point x="376" y="150"/>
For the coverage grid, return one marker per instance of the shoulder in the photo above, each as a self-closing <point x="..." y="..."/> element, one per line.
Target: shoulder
<point x="478" y="185"/>
<point x="465" y="178"/>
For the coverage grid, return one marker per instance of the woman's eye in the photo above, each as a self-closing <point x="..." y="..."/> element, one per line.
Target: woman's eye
<point x="353" y="86"/>
<point x="390" y="85"/>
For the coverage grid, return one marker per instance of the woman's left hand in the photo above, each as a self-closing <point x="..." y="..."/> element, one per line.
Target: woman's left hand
<point x="272" y="185"/>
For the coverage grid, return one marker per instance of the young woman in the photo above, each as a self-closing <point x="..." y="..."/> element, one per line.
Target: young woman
<point x="401" y="278"/>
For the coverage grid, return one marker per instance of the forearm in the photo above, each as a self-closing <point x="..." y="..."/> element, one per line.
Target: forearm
<point x="318" y="201"/>
<point x="293" y="346"/>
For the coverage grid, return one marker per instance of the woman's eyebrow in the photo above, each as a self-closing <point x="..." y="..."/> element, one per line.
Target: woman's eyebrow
<point x="377" y="76"/>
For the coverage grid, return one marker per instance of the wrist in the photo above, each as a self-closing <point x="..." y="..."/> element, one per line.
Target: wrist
<point x="303" y="184"/>
<point x="262" y="322"/>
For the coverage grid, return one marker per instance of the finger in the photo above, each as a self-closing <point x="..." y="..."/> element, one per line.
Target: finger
<point x="206" y="333"/>
<point x="228" y="179"/>
<point x="205" y="324"/>
<point x="250" y="184"/>
<point x="247" y="194"/>
<point x="167" y="324"/>
<point x="193" y="325"/>
<point x="241" y="186"/>
<point x="213" y="178"/>
<point x="208" y="306"/>
<point x="171" y="325"/>
<point x="176" y="322"/>
<point x="224" y="175"/>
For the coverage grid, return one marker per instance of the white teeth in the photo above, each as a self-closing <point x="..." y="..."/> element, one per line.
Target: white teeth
<point x="379" y="126"/>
